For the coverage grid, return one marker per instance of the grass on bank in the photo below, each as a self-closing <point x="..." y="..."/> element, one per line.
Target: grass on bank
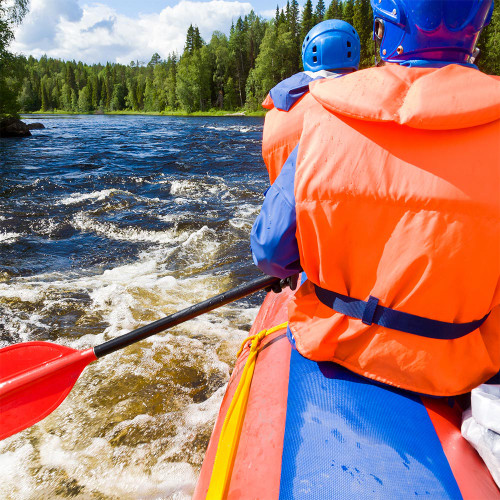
<point x="212" y="112"/>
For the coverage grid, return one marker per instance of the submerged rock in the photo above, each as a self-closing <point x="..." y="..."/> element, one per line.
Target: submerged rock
<point x="35" y="126"/>
<point x="13" y="127"/>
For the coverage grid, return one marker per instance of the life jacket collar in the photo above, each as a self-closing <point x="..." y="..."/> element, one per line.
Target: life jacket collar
<point x="423" y="98"/>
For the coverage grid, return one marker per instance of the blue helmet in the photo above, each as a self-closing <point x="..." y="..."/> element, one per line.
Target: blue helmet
<point x="433" y="30"/>
<point x="331" y="44"/>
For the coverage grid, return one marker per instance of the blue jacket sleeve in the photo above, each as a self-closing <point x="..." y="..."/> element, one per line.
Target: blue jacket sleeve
<point x="274" y="244"/>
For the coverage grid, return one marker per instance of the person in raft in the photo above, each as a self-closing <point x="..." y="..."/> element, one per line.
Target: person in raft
<point x="390" y="205"/>
<point x="330" y="49"/>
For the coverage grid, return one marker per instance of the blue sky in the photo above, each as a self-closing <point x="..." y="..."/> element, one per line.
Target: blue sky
<point x="124" y="30"/>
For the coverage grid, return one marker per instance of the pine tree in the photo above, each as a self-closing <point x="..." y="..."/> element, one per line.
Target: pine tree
<point x="282" y="18"/>
<point x="155" y="59"/>
<point x="70" y="76"/>
<point x="319" y="12"/>
<point x="307" y="21"/>
<point x="362" y="23"/>
<point x="171" y="82"/>
<point x="348" y="11"/>
<point x="96" y="91"/>
<point x="197" y="40"/>
<point x="334" y="10"/>
<point x="238" y="49"/>
<point x="189" y="47"/>
<point x="45" y="96"/>
<point x="294" y="29"/>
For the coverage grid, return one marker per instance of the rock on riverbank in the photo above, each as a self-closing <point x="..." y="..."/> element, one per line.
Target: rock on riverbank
<point x="35" y="126"/>
<point x="13" y="127"/>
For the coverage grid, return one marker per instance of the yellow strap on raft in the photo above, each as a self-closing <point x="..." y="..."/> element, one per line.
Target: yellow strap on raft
<point x="233" y="423"/>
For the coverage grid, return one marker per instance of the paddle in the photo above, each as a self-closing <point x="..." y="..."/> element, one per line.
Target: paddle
<point x="36" y="377"/>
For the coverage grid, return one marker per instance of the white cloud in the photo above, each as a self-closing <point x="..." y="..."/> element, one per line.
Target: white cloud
<point x="97" y="33"/>
<point x="40" y="26"/>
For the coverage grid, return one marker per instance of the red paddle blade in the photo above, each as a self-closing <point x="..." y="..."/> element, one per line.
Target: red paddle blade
<point x="35" y="378"/>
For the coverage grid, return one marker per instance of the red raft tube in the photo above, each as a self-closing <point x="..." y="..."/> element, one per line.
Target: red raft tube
<point x="296" y="429"/>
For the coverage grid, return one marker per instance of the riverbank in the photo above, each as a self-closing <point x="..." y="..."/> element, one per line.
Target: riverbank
<point x="213" y="113"/>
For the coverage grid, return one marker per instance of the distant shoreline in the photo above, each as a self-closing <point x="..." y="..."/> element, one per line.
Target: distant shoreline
<point x="153" y="113"/>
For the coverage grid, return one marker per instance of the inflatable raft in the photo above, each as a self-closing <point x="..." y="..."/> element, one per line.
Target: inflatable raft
<point x="312" y="430"/>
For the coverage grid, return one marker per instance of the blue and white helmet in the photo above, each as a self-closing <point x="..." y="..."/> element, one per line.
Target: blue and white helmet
<point x="331" y="45"/>
<point x="433" y="30"/>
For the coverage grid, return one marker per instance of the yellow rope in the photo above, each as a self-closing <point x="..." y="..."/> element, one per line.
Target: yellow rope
<point x="233" y="423"/>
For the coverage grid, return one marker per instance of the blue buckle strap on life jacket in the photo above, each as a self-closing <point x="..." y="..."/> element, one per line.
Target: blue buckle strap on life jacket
<point x="371" y="312"/>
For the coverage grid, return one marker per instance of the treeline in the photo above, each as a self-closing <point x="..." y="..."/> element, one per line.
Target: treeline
<point x="226" y="73"/>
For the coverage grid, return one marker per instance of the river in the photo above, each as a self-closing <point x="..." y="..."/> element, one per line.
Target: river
<point x="108" y="223"/>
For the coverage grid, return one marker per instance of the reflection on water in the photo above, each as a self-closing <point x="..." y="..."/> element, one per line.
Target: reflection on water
<point x="107" y="223"/>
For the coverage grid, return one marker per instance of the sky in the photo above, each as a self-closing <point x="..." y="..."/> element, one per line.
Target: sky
<point x="124" y="30"/>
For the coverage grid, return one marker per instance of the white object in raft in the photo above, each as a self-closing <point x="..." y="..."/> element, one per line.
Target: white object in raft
<point x="481" y="426"/>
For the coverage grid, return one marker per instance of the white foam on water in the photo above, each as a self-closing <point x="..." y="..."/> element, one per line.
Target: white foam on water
<point x="244" y="217"/>
<point x="76" y="198"/>
<point x="233" y="128"/>
<point x="46" y="227"/>
<point x="6" y="237"/>
<point x="17" y="482"/>
<point x="22" y="293"/>
<point x="187" y="186"/>
<point x="99" y="469"/>
<point x="167" y="217"/>
<point x="83" y="222"/>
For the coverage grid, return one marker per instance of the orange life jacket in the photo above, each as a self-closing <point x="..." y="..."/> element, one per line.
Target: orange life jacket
<point x="397" y="194"/>
<point x="281" y="134"/>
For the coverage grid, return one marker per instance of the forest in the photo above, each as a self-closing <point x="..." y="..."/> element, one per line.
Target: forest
<point x="232" y="73"/>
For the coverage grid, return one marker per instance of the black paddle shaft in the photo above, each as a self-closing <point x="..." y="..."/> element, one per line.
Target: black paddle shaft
<point x="184" y="315"/>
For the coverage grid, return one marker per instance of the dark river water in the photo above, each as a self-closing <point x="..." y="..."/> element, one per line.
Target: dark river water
<point x="108" y="223"/>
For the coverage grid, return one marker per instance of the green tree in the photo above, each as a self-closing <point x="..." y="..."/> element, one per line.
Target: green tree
<point x="66" y="102"/>
<point x="219" y="46"/>
<point x="239" y="56"/>
<point x="96" y="90"/>
<point x="74" y="100"/>
<point x="155" y="60"/>
<point x="85" y="100"/>
<point x="10" y="73"/>
<point x="131" y="97"/>
<point x="348" y="11"/>
<point x="293" y="13"/>
<point x="193" y="39"/>
<point x="334" y="10"/>
<point x="118" y="97"/>
<point x="28" y="99"/>
<point x="307" y="21"/>
<point x="319" y="12"/>
<point x="362" y="21"/>
<point x="273" y="64"/>
<point x="45" y="94"/>
<point x="170" y="83"/>
<point x="150" y="100"/>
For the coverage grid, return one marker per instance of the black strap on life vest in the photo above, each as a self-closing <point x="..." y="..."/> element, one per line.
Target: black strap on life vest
<point x="370" y="312"/>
